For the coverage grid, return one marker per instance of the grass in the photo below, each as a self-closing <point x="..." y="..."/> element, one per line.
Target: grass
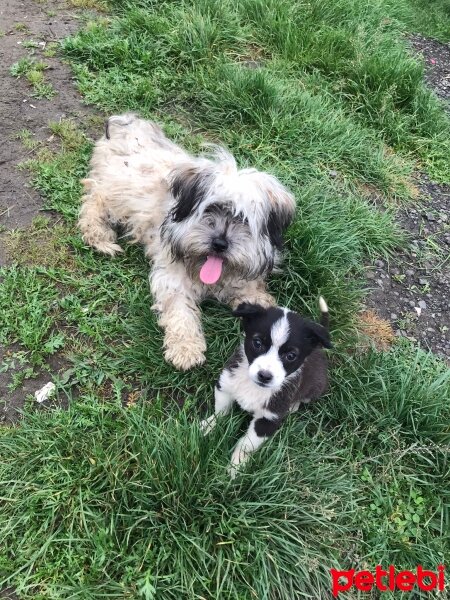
<point x="335" y="81"/>
<point x="119" y="496"/>
<point x="430" y="18"/>
<point x="27" y="138"/>
<point x="98" y="5"/>
<point x="34" y="72"/>
<point x="21" y="27"/>
<point x="134" y="503"/>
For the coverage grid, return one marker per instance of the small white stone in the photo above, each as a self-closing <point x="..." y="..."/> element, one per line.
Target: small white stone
<point x="44" y="393"/>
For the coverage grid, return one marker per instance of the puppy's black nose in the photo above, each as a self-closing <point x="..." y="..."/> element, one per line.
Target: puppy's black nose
<point x="219" y="244"/>
<point x="265" y="376"/>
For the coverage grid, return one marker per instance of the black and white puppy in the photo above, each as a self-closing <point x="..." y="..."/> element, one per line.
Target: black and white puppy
<point x="280" y="365"/>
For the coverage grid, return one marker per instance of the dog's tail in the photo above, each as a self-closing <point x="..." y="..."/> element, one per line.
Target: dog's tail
<point x="324" y="318"/>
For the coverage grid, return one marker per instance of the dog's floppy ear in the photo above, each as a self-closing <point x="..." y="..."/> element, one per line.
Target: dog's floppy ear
<point x="281" y="210"/>
<point x="277" y="222"/>
<point x="248" y="311"/>
<point x="188" y="185"/>
<point x="318" y="334"/>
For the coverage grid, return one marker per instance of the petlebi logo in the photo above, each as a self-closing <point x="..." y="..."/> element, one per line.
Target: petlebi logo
<point x="388" y="579"/>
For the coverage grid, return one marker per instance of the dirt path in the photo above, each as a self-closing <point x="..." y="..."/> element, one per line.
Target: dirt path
<point x="437" y="61"/>
<point x="413" y="292"/>
<point x="22" y="21"/>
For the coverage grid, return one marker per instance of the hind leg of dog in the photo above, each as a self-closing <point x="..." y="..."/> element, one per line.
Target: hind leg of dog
<point x="94" y="226"/>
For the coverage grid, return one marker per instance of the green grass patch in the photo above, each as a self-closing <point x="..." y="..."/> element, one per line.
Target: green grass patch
<point x="104" y="501"/>
<point x="28" y="319"/>
<point x="21" y="27"/>
<point x="98" y="5"/>
<point x="431" y="18"/>
<point x="51" y="48"/>
<point x="34" y="72"/>
<point x="334" y="85"/>
<point x="27" y="138"/>
<point x="42" y="244"/>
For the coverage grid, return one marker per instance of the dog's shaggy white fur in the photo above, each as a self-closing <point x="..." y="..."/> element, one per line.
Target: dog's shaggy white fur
<point x="210" y="229"/>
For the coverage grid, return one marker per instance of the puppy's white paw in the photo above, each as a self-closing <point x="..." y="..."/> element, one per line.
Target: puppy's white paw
<point x="207" y="425"/>
<point x="238" y="459"/>
<point x="184" y="358"/>
<point x="233" y="471"/>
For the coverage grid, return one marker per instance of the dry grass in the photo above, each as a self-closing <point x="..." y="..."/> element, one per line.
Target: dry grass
<point x="39" y="245"/>
<point x="374" y="331"/>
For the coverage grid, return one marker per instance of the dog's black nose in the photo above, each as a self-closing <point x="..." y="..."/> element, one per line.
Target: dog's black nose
<point x="265" y="376"/>
<point x="219" y="244"/>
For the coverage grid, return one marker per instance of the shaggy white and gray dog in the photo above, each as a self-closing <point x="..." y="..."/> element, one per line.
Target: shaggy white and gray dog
<point x="210" y="229"/>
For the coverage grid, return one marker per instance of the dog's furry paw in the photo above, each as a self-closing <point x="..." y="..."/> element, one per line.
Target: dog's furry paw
<point x="108" y="248"/>
<point x="184" y="357"/>
<point x="104" y="246"/>
<point x="262" y="299"/>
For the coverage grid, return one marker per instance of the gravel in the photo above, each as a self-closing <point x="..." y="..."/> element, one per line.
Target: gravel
<point x="413" y="290"/>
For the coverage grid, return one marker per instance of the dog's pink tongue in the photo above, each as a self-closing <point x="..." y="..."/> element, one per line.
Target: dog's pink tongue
<point x="211" y="270"/>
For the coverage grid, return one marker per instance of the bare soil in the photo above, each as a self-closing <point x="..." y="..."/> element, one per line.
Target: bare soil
<point x="413" y="291"/>
<point x="21" y="21"/>
<point x="437" y="60"/>
<point x="43" y="23"/>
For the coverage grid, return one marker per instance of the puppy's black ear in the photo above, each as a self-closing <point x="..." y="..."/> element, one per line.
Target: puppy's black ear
<point x="188" y="185"/>
<point x="248" y="311"/>
<point x="319" y="335"/>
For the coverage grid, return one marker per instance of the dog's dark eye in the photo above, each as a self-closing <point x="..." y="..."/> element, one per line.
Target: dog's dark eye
<point x="257" y="343"/>
<point x="290" y="356"/>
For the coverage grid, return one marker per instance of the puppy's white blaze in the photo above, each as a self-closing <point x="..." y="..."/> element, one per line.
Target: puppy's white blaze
<point x="323" y="305"/>
<point x="280" y="330"/>
<point x="269" y="362"/>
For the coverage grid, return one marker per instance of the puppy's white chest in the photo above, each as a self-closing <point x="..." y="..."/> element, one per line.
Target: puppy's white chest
<point x="250" y="397"/>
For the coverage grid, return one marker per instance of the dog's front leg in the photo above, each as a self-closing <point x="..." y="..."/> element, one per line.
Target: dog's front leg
<point x="223" y="403"/>
<point x="259" y="430"/>
<point x="252" y="292"/>
<point x="179" y="316"/>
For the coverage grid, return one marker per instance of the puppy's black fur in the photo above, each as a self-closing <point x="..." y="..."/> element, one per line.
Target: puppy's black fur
<point x="280" y="365"/>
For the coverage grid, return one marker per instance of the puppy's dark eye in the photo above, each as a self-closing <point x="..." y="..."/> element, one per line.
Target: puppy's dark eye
<point x="257" y="343"/>
<point x="291" y="356"/>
